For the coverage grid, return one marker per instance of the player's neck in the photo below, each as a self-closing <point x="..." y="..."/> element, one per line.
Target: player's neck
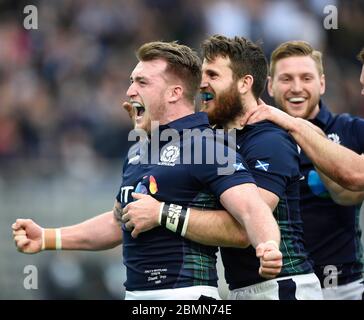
<point x="176" y="111"/>
<point x="314" y="113"/>
<point x="248" y="103"/>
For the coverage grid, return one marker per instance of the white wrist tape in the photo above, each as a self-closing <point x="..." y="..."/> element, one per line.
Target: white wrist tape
<point x="185" y="224"/>
<point x="58" y="239"/>
<point x="160" y="213"/>
<point x="51" y="239"/>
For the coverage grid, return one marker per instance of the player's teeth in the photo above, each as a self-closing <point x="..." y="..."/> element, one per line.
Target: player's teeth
<point x="296" y="99"/>
<point x="137" y="105"/>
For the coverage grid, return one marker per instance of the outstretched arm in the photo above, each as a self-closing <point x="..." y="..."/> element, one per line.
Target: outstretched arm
<point x="340" y="164"/>
<point x="216" y="228"/>
<point x="99" y="233"/>
<point x="208" y="227"/>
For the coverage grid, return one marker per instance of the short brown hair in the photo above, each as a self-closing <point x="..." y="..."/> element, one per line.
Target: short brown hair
<point x="295" y="49"/>
<point x="181" y="60"/>
<point x="245" y="58"/>
<point x="361" y="56"/>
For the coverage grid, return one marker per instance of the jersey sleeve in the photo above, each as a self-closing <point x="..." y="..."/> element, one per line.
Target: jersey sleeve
<point x="356" y="126"/>
<point x="118" y="195"/>
<point x="273" y="159"/>
<point x="224" y="172"/>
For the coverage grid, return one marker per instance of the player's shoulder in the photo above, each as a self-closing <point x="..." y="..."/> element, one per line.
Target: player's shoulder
<point x="346" y="124"/>
<point x="270" y="138"/>
<point x="345" y="117"/>
<point x="268" y="130"/>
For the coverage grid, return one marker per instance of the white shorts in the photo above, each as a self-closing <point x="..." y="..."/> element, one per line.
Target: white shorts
<point x="301" y="287"/>
<point x="186" y="293"/>
<point x="350" y="291"/>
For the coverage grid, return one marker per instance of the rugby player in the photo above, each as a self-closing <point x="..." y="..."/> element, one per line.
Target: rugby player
<point x="330" y="212"/>
<point x="161" y="264"/>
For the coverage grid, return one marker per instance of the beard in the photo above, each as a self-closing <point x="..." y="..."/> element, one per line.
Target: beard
<point x="227" y="108"/>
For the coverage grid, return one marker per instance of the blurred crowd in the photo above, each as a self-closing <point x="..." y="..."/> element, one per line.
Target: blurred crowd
<point x="61" y="86"/>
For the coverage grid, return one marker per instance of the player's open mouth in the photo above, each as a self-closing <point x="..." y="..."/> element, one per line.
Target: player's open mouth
<point x="139" y="108"/>
<point x="296" y="100"/>
<point x="206" y="96"/>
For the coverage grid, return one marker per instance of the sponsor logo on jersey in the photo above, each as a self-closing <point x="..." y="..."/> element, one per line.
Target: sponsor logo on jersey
<point x="147" y="185"/>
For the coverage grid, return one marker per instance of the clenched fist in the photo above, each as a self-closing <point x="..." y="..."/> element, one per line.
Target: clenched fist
<point x="27" y="236"/>
<point x="270" y="259"/>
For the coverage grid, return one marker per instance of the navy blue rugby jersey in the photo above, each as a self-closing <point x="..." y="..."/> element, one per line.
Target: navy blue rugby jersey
<point x="273" y="159"/>
<point x="159" y="258"/>
<point x="332" y="231"/>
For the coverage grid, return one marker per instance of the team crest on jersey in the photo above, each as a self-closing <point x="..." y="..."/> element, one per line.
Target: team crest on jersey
<point x="169" y="155"/>
<point x="334" y="137"/>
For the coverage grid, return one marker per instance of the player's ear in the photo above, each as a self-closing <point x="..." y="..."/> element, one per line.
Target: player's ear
<point x="245" y="84"/>
<point x="322" y="84"/>
<point x="270" y="86"/>
<point x="174" y="93"/>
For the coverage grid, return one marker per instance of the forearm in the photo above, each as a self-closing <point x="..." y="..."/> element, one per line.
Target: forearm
<point x="99" y="233"/>
<point x="215" y="228"/>
<point x="348" y="198"/>
<point x="339" y="194"/>
<point x="337" y="162"/>
<point x="208" y="227"/>
<point x="261" y="227"/>
<point x="252" y="213"/>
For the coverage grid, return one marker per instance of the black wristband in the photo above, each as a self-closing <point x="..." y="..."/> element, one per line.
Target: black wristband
<point x="175" y="218"/>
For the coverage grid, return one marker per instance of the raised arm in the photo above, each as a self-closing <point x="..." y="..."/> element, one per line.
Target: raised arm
<point x="99" y="233"/>
<point x="340" y="164"/>
<point x="339" y="194"/>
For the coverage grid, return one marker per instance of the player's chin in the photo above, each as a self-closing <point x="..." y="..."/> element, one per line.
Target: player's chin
<point x="296" y="112"/>
<point x="207" y="106"/>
